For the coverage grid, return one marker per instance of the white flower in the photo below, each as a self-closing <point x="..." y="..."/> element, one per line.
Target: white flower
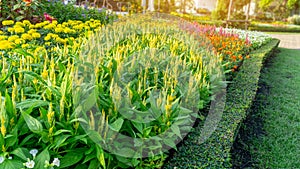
<point x="1" y="159"/>
<point x="30" y="164"/>
<point x="10" y="157"/>
<point x="56" y="162"/>
<point x="33" y="152"/>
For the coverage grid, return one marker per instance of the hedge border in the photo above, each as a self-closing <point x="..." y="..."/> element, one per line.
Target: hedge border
<point x="215" y="152"/>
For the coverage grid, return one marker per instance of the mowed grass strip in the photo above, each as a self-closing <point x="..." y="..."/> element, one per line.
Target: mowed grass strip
<point x="279" y="107"/>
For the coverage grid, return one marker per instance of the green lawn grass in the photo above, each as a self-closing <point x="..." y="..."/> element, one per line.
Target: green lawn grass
<point x="271" y="135"/>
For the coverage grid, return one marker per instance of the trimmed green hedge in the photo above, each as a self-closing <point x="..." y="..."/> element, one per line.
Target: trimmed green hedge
<point x="215" y="152"/>
<point x="272" y="28"/>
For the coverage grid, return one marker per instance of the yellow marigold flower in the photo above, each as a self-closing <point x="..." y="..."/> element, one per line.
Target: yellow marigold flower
<point x="54" y="22"/>
<point x="4" y="44"/>
<point x="3" y="37"/>
<point x="58" y="30"/>
<point x="54" y="35"/>
<point x="27" y="22"/>
<point x="26" y="36"/>
<point x="11" y="30"/>
<point x="36" y="35"/>
<point x="47" y="38"/>
<point x="8" y="22"/>
<point x="48" y="43"/>
<point x="31" y="31"/>
<point x="25" y="45"/>
<point x="19" y="30"/>
<point x="13" y="38"/>
<point x="19" y="24"/>
<point x="19" y="41"/>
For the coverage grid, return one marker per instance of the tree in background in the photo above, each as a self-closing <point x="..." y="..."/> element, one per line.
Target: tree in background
<point x="220" y="13"/>
<point x="280" y="9"/>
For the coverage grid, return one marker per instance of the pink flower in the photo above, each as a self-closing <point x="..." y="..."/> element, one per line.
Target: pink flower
<point x="48" y="17"/>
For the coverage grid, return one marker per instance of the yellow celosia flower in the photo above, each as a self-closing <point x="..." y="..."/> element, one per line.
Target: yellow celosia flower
<point x="8" y="22"/>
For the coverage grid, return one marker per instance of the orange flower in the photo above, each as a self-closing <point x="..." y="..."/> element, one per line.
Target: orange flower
<point x="28" y="2"/>
<point x="247" y="56"/>
<point x="240" y="57"/>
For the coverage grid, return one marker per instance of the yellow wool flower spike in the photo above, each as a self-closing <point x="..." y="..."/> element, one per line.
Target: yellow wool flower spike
<point x="8" y="22"/>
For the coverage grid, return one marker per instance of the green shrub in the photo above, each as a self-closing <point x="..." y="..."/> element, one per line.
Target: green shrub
<point x="215" y="152"/>
<point x="70" y="12"/>
<point x="294" y="19"/>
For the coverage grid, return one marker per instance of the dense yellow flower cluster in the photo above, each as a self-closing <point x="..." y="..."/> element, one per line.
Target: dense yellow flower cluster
<point x="25" y="34"/>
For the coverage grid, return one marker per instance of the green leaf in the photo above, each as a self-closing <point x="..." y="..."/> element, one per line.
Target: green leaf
<point x="19" y="18"/>
<point x="33" y="103"/>
<point x="71" y="158"/>
<point x="61" y="131"/>
<point x="176" y="130"/>
<point x="59" y="140"/>
<point x="9" y="106"/>
<point x="18" y="5"/>
<point x="94" y="164"/>
<point x="117" y="125"/>
<point x="11" y="164"/>
<point x="90" y="101"/>
<point x="41" y="158"/>
<point x="20" y="153"/>
<point x="33" y="124"/>
<point x="100" y="156"/>
<point x="12" y="138"/>
<point x="170" y="142"/>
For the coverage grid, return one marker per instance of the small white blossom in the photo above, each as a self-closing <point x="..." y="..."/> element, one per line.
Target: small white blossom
<point x="56" y="162"/>
<point x="30" y="164"/>
<point x="10" y="157"/>
<point x="1" y="159"/>
<point x="33" y="152"/>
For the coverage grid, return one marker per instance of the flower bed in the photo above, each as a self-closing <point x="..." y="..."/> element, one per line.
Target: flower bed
<point x="55" y="72"/>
